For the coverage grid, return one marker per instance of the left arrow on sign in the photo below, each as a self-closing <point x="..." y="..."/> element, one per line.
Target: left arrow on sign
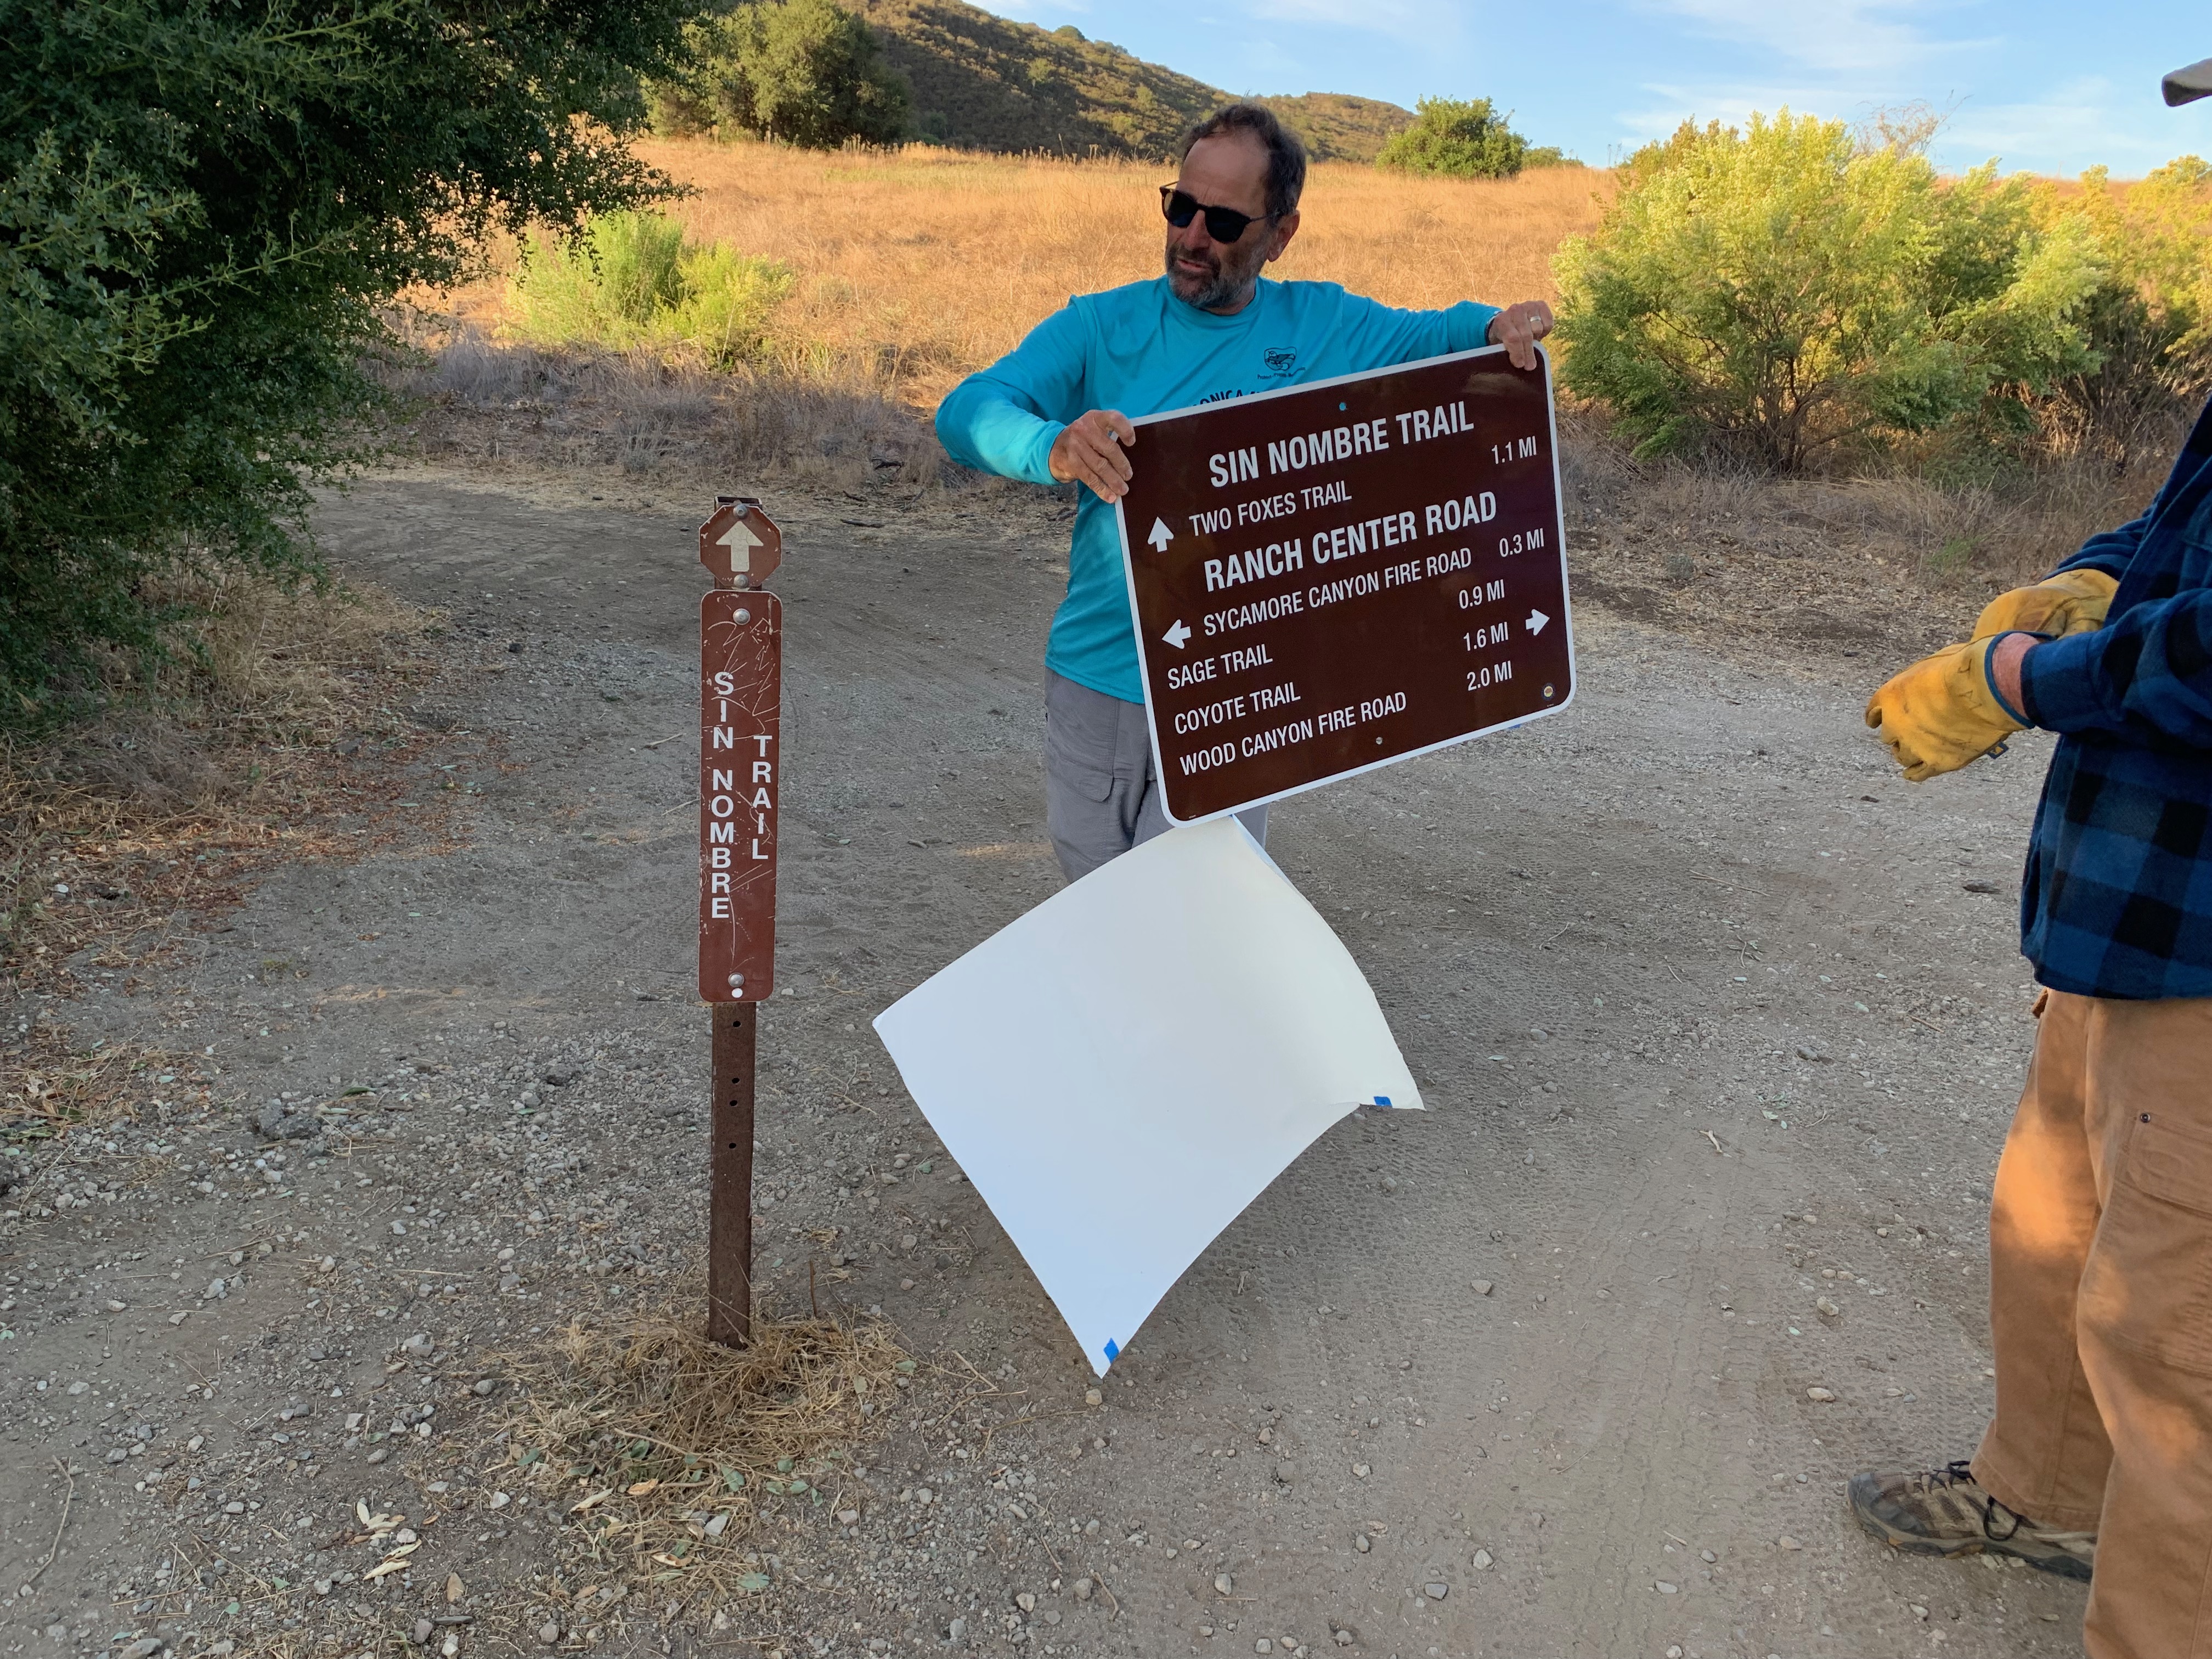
<point x="1161" y="536"/>
<point x="1536" y="621"/>
<point x="1179" y="635"/>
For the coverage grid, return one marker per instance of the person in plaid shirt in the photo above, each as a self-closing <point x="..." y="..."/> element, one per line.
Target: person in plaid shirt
<point x="2100" y="1225"/>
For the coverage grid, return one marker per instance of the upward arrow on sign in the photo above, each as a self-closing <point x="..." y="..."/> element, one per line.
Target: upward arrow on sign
<point x="1161" y="536"/>
<point x="741" y="542"/>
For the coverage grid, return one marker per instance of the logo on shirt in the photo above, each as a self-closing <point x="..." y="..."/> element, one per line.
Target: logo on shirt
<point x="1280" y="360"/>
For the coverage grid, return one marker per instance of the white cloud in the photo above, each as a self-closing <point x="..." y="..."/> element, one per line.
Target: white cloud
<point x="1839" y="37"/>
<point x="2088" y="117"/>
<point x="1730" y="105"/>
<point x="1841" y="60"/>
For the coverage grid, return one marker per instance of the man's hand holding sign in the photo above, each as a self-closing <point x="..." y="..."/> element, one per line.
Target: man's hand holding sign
<point x="1093" y="449"/>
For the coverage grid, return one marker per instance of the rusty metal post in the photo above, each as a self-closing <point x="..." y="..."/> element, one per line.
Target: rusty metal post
<point x="730" y="1186"/>
<point x="740" y="774"/>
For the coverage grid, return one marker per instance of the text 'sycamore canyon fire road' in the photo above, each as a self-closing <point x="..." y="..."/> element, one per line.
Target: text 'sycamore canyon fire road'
<point x="1334" y="577"/>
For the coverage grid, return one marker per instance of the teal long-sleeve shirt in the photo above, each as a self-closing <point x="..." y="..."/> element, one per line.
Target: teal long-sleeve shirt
<point x="1141" y="351"/>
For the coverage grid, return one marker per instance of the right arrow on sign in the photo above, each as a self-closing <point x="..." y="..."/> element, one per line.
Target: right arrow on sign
<point x="1161" y="536"/>
<point x="1179" y="635"/>
<point x="1536" y="621"/>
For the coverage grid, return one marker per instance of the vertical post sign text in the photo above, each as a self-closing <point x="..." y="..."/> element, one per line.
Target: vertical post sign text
<point x="740" y="764"/>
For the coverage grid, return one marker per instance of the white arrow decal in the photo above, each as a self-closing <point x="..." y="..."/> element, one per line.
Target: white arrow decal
<point x="1177" y="636"/>
<point x="1161" y="536"/>
<point x="741" y="542"/>
<point x="1536" y="621"/>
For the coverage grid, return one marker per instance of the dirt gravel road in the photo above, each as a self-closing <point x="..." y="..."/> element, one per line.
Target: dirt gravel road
<point x="1720" y="1024"/>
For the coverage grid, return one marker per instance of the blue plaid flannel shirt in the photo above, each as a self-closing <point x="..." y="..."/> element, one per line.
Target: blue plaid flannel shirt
<point x="2117" y="898"/>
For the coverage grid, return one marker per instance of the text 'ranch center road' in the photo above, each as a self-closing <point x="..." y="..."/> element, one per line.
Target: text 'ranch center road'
<point x="1409" y="591"/>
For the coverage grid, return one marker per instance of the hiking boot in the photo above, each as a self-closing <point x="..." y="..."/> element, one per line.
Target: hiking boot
<point x="1946" y="1512"/>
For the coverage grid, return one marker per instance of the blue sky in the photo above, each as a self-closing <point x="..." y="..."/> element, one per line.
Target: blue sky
<point x="2042" y="86"/>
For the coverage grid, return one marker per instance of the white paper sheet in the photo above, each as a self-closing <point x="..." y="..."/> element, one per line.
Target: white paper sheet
<point x="1124" y="1069"/>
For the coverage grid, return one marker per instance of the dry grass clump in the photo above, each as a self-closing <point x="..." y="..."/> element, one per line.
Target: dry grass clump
<point x="667" y="1453"/>
<point x="495" y="406"/>
<point x="189" y="778"/>
<point x="47" y="1084"/>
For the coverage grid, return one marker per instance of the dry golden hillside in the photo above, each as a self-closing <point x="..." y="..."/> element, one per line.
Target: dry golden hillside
<point x="920" y="265"/>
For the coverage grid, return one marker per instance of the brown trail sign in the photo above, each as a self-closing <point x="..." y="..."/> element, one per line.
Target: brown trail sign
<point x="740" y="766"/>
<point x="1336" y="576"/>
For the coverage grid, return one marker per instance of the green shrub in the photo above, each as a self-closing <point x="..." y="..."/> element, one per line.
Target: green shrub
<point x="805" y="72"/>
<point x="2149" y="319"/>
<point x="630" y="281"/>
<point x="725" y="301"/>
<point x="607" y="286"/>
<point x="1778" y="290"/>
<point x="1671" y="151"/>
<point x="1457" y="139"/>
<point x="204" y="209"/>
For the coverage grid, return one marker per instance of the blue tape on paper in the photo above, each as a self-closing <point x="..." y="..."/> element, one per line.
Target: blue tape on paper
<point x="1113" y="1350"/>
<point x="1381" y="1100"/>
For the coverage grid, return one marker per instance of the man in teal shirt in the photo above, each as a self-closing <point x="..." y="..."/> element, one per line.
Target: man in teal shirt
<point x="1055" y="409"/>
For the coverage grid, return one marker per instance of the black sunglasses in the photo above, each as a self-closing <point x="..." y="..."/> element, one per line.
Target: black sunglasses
<point x="1224" y="225"/>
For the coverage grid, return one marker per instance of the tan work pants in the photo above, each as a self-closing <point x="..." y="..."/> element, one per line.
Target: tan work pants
<point x="2100" y="1305"/>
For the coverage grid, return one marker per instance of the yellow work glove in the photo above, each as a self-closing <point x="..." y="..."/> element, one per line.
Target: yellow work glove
<point x="2071" y="602"/>
<point x="1942" y="712"/>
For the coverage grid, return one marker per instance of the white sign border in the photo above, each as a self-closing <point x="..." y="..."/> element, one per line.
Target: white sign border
<point x="1560" y="529"/>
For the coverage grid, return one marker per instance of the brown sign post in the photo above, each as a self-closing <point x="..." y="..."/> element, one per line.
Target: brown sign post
<point x="1336" y="576"/>
<point x="740" y="770"/>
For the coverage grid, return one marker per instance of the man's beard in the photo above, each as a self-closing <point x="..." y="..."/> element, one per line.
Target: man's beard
<point x="1227" y="289"/>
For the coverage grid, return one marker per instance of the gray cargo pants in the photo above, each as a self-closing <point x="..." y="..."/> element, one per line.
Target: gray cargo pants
<point x="1100" y="796"/>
